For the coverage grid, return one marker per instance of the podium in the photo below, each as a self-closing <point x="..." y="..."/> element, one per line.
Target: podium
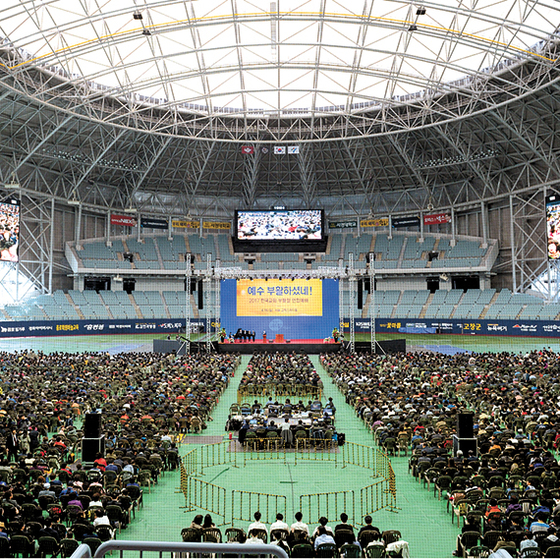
<point x="279" y="338"/>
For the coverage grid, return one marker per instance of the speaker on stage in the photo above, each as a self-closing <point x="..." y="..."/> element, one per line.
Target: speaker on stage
<point x="465" y="425"/>
<point x="92" y="426"/>
<point x="200" y="295"/>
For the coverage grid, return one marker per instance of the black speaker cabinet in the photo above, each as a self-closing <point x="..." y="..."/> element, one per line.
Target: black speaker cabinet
<point x="360" y="294"/>
<point x="92" y="426"/>
<point x="465" y="424"/>
<point x="200" y="295"/>
<point x="91" y="447"/>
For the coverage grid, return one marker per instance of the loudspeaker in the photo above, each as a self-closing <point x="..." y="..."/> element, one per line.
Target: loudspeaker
<point x="465" y="425"/>
<point x="367" y="285"/>
<point x="91" y="447"/>
<point x="200" y="295"/>
<point x="92" y="426"/>
<point x="360" y="294"/>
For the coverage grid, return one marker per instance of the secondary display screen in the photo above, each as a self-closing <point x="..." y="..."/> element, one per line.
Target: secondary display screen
<point x="9" y="231"/>
<point x="279" y="225"/>
<point x="553" y="227"/>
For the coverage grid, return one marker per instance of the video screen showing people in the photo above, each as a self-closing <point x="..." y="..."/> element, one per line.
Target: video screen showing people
<point x="553" y="229"/>
<point x="279" y="225"/>
<point x="9" y="231"/>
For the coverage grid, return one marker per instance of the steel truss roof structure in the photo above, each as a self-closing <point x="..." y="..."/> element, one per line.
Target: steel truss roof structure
<point x="394" y="108"/>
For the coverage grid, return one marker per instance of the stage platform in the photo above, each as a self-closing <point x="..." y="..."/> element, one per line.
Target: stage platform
<point x="308" y="346"/>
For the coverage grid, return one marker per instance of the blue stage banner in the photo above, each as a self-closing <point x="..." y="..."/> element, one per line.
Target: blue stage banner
<point x="16" y="329"/>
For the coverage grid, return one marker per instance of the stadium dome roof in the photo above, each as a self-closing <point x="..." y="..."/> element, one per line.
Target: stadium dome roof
<point x="177" y="108"/>
<point x="330" y="69"/>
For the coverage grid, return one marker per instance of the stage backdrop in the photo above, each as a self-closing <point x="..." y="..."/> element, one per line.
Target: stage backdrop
<point x="298" y="309"/>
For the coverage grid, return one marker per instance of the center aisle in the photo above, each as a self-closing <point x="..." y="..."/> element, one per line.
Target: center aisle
<point x="422" y="520"/>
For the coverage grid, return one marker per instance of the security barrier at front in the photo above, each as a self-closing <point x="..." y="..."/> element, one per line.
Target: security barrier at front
<point x="239" y="505"/>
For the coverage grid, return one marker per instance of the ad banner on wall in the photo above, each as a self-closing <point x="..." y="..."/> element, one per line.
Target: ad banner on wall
<point x="434" y="219"/>
<point x="13" y="329"/>
<point x="118" y="220"/>
<point x="412" y="221"/>
<point x="154" y="223"/>
<point x="484" y="327"/>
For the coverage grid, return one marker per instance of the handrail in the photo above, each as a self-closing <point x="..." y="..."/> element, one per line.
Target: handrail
<point x="84" y="551"/>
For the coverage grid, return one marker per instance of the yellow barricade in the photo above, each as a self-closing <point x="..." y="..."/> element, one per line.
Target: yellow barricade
<point x="245" y="504"/>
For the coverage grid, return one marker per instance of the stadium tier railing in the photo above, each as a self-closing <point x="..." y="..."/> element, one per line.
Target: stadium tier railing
<point x="180" y="549"/>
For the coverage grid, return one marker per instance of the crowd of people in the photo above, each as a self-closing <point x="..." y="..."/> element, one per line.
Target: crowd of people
<point x="506" y="489"/>
<point x="302" y="541"/>
<point x="280" y="369"/>
<point x="51" y="499"/>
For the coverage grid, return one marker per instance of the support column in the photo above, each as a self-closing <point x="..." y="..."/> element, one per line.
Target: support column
<point x="372" y="313"/>
<point x="188" y="275"/>
<point x="512" y="241"/>
<point x="453" y="226"/>
<point x="108" y="229"/>
<point x="341" y="296"/>
<point x="51" y="247"/>
<point x="352" y="298"/>
<point x="209" y="302"/>
<point x="484" y="219"/>
<point x="78" y="227"/>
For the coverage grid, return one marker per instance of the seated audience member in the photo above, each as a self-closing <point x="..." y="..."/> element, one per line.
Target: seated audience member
<point x="279" y="523"/>
<point x="322" y="523"/>
<point x="367" y="530"/>
<point x="101" y="518"/>
<point x="257" y="524"/>
<point x="299" y="525"/>
<point x="253" y="537"/>
<point x="540" y="524"/>
<point x="48" y="531"/>
<point x="344" y="532"/>
<point x="323" y="537"/>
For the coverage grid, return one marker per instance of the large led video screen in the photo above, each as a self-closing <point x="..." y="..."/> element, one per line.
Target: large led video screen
<point x="9" y="230"/>
<point x="553" y="227"/>
<point x="299" y="309"/>
<point x="279" y="225"/>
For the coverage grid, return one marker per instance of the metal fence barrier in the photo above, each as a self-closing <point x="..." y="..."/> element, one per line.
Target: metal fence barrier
<point x="327" y="504"/>
<point x="206" y="496"/>
<point x="248" y="502"/>
<point x="209" y="497"/>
